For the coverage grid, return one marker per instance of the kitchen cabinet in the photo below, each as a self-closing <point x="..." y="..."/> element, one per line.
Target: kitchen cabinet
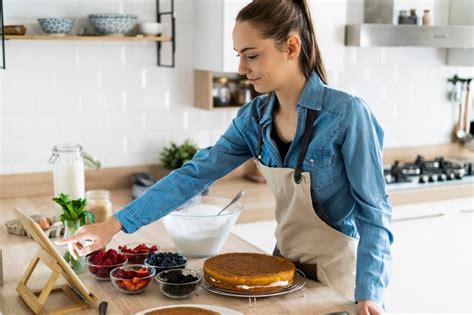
<point x="213" y="24"/>
<point x="203" y="89"/>
<point x="460" y="13"/>
<point x="214" y="54"/>
<point x="432" y="258"/>
<point x="214" y="21"/>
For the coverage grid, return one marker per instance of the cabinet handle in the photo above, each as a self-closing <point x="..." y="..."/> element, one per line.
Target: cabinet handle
<point x="420" y="217"/>
<point x="467" y="211"/>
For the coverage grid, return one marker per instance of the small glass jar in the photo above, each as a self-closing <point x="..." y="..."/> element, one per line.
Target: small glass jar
<point x="427" y="18"/>
<point x="403" y="17"/>
<point x="99" y="203"/>
<point x="413" y="17"/>
<point x="221" y="92"/>
<point x="245" y="92"/>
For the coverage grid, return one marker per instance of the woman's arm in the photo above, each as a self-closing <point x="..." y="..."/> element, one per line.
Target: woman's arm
<point x="170" y="192"/>
<point x="362" y="154"/>
<point x="208" y="165"/>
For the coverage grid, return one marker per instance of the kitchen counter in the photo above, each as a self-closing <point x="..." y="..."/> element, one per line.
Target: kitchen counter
<point x="18" y="252"/>
<point x="258" y="200"/>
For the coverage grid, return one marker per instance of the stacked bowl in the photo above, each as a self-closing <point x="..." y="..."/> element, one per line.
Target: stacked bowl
<point x="113" y="24"/>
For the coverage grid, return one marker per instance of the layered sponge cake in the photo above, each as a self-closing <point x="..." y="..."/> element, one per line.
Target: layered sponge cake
<point x="182" y="310"/>
<point x="249" y="272"/>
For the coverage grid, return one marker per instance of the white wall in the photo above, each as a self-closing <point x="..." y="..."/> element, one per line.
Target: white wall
<point x="112" y="98"/>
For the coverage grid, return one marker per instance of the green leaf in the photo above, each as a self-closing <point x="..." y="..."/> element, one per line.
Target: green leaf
<point x="89" y="216"/>
<point x="174" y="156"/>
<point x="67" y="256"/>
<point x="72" y="209"/>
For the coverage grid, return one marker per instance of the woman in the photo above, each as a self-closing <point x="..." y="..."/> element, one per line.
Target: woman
<point x="318" y="148"/>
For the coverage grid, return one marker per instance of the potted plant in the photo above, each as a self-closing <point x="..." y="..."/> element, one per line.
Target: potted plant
<point x="73" y="217"/>
<point x="174" y="156"/>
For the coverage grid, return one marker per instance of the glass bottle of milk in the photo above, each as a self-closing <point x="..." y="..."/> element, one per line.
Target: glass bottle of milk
<point x="68" y="169"/>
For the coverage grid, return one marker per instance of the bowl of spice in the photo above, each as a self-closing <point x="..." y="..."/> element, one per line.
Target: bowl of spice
<point x="179" y="283"/>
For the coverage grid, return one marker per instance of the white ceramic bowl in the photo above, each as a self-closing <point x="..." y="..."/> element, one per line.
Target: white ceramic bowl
<point x="150" y="28"/>
<point x="197" y="230"/>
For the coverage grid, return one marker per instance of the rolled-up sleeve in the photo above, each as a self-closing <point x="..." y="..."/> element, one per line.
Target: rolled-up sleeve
<point x="362" y="154"/>
<point x="182" y="184"/>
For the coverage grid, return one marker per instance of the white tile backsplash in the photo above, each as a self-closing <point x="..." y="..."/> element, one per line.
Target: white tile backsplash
<point x="112" y="97"/>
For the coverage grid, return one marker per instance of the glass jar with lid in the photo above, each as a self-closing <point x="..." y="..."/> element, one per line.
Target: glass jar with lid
<point x="100" y="204"/>
<point x="221" y="92"/>
<point x="68" y="170"/>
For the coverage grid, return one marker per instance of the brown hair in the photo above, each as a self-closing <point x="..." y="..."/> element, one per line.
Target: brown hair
<point x="277" y="19"/>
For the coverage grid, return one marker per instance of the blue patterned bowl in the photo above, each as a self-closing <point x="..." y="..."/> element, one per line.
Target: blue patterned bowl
<point x="113" y="24"/>
<point x="56" y="26"/>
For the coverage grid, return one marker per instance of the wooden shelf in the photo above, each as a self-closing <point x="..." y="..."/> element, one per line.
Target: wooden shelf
<point x="203" y="84"/>
<point x="91" y="38"/>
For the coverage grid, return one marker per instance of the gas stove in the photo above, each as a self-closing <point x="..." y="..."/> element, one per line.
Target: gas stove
<point x="428" y="172"/>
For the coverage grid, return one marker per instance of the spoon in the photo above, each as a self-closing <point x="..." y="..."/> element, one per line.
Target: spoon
<point x="235" y="199"/>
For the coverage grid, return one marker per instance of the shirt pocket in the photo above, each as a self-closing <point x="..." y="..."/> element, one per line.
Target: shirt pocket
<point x="320" y="164"/>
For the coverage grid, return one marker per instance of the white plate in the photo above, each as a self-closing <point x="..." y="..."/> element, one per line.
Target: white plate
<point x="215" y="308"/>
<point x="298" y="283"/>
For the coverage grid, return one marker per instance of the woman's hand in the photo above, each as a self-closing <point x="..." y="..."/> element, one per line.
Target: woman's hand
<point x="368" y="308"/>
<point x="99" y="234"/>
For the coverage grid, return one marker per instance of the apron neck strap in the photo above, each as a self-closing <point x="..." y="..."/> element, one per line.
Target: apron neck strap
<point x="308" y="128"/>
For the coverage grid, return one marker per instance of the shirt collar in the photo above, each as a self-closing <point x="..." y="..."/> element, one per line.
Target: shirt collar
<point x="311" y="97"/>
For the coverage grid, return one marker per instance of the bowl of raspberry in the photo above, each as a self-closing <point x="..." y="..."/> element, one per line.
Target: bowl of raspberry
<point x="100" y="263"/>
<point x="137" y="252"/>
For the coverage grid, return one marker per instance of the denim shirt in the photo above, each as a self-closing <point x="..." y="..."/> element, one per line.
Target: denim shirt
<point x="344" y="160"/>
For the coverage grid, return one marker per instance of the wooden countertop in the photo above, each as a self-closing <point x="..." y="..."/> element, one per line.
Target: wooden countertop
<point x="18" y="252"/>
<point x="258" y="200"/>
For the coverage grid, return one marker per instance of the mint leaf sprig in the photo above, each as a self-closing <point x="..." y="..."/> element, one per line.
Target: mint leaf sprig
<point x="73" y="210"/>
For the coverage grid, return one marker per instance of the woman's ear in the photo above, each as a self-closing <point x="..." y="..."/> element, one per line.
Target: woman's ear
<point x="293" y="46"/>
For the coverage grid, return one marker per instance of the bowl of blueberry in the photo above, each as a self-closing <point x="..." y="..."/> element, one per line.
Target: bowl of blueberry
<point x="100" y="263"/>
<point x="165" y="261"/>
<point x="137" y="252"/>
<point x="179" y="283"/>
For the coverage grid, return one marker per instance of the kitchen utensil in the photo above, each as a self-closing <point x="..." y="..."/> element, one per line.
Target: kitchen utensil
<point x="235" y="199"/>
<point x="56" y="26"/>
<point x="103" y="308"/>
<point x="197" y="230"/>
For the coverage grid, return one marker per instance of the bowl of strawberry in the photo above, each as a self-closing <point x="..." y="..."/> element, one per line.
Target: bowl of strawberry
<point x="132" y="279"/>
<point x="100" y="263"/>
<point x="137" y="252"/>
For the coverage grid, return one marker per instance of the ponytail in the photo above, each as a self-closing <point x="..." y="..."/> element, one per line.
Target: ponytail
<point x="288" y="16"/>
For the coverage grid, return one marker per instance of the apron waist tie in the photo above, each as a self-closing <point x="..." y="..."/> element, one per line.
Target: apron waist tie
<point x="308" y="269"/>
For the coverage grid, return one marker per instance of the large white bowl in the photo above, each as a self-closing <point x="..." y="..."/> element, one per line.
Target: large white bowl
<point x="196" y="229"/>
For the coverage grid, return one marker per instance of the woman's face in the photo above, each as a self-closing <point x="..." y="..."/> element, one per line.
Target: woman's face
<point x="261" y="61"/>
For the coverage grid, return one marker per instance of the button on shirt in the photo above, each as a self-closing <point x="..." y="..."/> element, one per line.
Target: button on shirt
<point x="344" y="160"/>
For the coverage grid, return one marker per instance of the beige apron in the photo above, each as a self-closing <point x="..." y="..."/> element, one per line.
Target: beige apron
<point x="301" y="235"/>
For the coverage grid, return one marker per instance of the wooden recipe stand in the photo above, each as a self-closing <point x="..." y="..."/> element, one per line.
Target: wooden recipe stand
<point x="74" y="289"/>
